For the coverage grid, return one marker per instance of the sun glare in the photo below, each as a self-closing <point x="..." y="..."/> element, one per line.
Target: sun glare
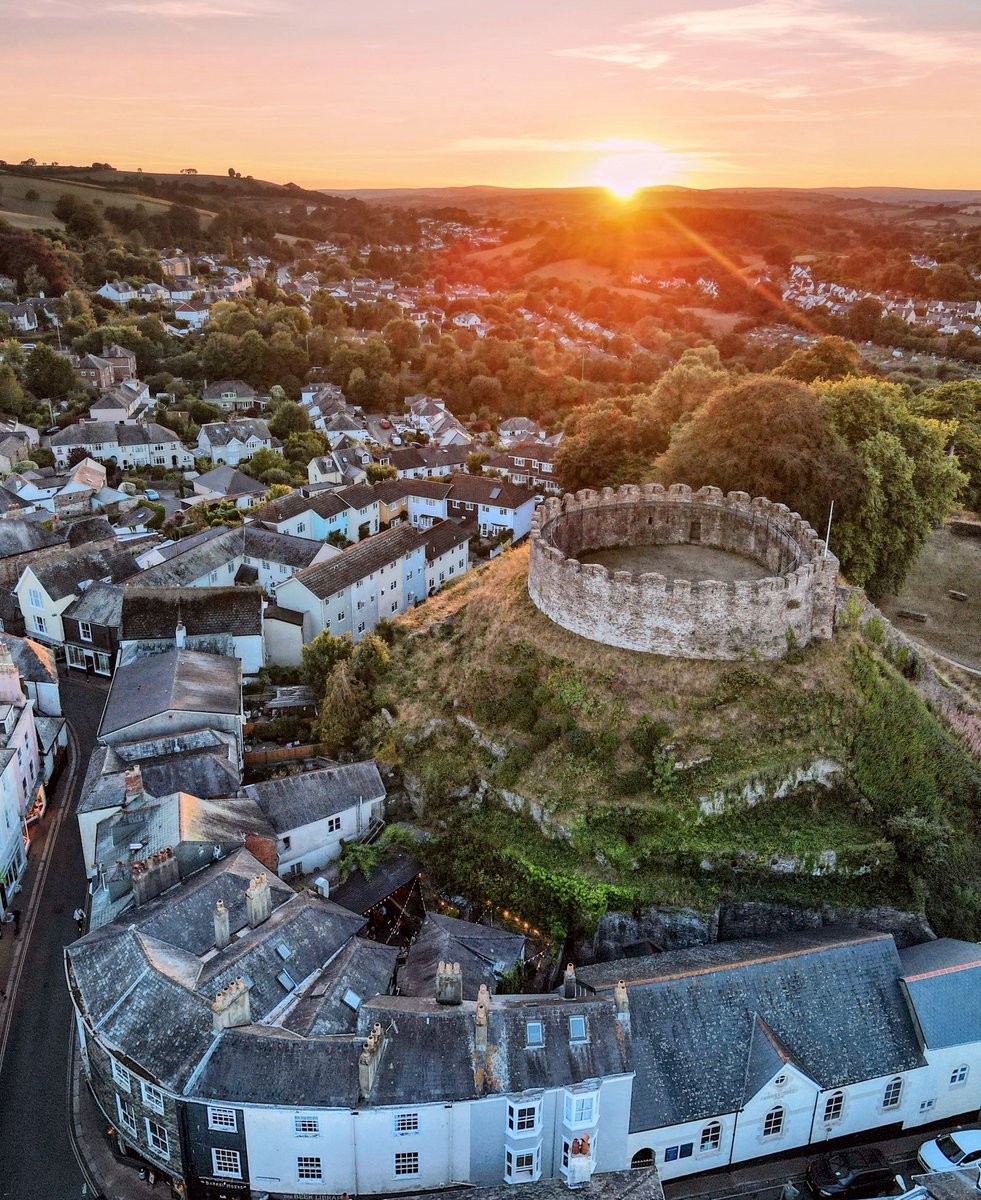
<point x="624" y="174"/>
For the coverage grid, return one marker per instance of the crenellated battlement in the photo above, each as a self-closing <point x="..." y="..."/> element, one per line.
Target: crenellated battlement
<point x="706" y="618"/>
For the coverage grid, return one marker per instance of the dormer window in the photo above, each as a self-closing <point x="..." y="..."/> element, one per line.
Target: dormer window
<point x="535" y="1033"/>
<point x="578" y="1031"/>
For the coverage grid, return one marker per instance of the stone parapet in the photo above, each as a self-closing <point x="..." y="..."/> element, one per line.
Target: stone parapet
<point x="711" y="619"/>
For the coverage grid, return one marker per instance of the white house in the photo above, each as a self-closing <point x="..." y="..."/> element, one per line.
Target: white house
<point x="128" y="446"/>
<point x="311" y="813"/>
<point x="47" y="588"/>
<point x="119" y="291"/>
<point x="21" y="776"/>
<point x="215" y="620"/>
<point x="235" y="441"/>
<point x="350" y="593"/>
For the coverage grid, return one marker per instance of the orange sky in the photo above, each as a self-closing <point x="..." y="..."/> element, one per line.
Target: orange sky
<point x="386" y="93"/>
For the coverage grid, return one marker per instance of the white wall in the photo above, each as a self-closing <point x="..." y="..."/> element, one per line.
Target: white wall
<point x="314" y="845"/>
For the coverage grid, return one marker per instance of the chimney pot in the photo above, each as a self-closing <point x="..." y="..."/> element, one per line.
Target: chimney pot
<point x="620" y="997"/>
<point x="231" y="1008"/>
<point x="449" y="983"/>
<point x="481" y="1026"/>
<point x="369" y="1059"/>
<point x="569" y="987"/>
<point x="258" y="900"/>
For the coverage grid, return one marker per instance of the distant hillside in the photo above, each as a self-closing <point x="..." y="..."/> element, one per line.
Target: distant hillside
<point x="27" y="199"/>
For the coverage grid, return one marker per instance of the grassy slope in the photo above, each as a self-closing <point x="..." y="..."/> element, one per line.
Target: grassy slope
<point x="14" y="188"/>
<point x="623" y="824"/>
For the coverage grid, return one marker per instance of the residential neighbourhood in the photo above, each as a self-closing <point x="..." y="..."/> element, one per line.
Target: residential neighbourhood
<point x="488" y="678"/>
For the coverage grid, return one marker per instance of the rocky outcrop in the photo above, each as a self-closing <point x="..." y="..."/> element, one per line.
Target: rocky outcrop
<point x="678" y="928"/>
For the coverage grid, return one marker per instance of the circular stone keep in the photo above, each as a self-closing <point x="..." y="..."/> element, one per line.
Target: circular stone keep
<point x="690" y="574"/>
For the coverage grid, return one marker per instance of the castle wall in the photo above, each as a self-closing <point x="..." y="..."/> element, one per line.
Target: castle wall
<point x="703" y="619"/>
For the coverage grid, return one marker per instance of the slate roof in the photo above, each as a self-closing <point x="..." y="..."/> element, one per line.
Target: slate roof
<point x="150" y="614"/>
<point x="100" y="604"/>
<point x="34" y="662"/>
<point x="243" y="390"/>
<point x="230" y="481"/>
<point x="206" y="772"/>
<point x="360" y="894"/>
<point x="340" y="572"/>
<point x="18" y="536"/>
<point x="943" y="981"/>
<point x="273" y="1067"/>
<point x="200" y="559"/>
<point x="298" y="800"/>
<point x="220" y="433"/>
<point x="445" y="535"/>
<point x="362" y="969"/>
<point x="482" y="489"/>
<point x="63" y="576"/>
<point x="175" y="681"/>
<point x="288" y="616"/>
<point x="89" y="529"/>
<point x="832" y="1002"/>
<point x="91" y="433"/>
<point x="483" y="953"/>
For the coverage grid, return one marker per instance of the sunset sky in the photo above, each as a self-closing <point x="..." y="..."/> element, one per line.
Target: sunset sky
<point x="512" y="92"/>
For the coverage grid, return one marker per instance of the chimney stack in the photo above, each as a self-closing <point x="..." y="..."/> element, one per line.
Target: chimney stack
<point x="222" y="933"/>
<point x="231" y="1008"/>
<point x="569" y="988"/>
<point x="258" y="900"/>
<point x="154" y="875"/>
<point x="133" y="783"/>
<point x="369" y="1059"/>
<point x="620" y="999"/>
<point x="449" y="983"/>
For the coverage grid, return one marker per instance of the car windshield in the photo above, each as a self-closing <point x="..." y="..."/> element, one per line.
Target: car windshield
<point x="840" y="1167"/>
<point x="949" y="1148"/>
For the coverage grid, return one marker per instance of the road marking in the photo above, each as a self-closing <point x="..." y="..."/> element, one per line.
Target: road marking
<point x="72" y="1134"/>
<point x="20" y="953"/>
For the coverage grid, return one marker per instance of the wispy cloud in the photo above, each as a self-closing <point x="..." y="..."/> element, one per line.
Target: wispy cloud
<point x="796" y="21"/>
<point x="626" y="54"/>
<point x="786" y="49"/>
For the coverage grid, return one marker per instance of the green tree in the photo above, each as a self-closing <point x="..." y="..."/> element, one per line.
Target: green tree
<point x="476" y="461"/>
<point x="289" y="418"/>
<point x="958" y="405"/>
<point x="320" y="657"/>
<point x="402" y="338"/>
<point x="769" y="437"/>
<point x="13" y="399"/>
<point x="832" y="358"/>
<point x="370" y="660"/>
<point x="345" y="709"/>
<point x="908" y="481"/>
<point x="266" y="462"/>
<point x="48" y="374"/>
<point x="376" y="472"/>
<point x="302" y="447"/>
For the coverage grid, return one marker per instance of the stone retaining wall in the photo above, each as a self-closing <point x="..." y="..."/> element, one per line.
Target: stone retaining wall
<point x="704" y="619"/>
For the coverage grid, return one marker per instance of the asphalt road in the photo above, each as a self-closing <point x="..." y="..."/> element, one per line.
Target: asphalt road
<point x="36" y="1156"/>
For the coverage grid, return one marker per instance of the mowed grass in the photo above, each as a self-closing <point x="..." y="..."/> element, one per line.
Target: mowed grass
<point x="949" y="562"/>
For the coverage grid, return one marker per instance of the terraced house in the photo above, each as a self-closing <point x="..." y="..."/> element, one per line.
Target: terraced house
<point x="125" y="445"/>
<point x="235" y="441"/>
<point x="291" y="1066"/>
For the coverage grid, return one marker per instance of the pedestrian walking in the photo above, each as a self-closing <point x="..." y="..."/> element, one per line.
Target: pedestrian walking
<point x="80" y="920"/>
<point x="15" y="913"/>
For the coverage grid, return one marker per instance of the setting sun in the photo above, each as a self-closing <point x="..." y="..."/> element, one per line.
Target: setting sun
<point x="627" y="171"/>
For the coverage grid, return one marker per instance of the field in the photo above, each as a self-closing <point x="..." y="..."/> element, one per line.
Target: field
<point x="13" y="198"/>
<point x="953" y="627"/>
<point x="573" y="775"/>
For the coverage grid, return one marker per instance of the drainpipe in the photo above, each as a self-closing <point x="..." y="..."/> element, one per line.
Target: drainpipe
<point x="732" y="1143"/>
<point x="810" y="1136"/>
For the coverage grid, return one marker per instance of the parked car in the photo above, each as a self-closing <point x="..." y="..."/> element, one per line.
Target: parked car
<point x="151" y="494"/>
<point x="949" y="1151"/>
<point x="857" y="1174"/>
<point x="385" y="424"/>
